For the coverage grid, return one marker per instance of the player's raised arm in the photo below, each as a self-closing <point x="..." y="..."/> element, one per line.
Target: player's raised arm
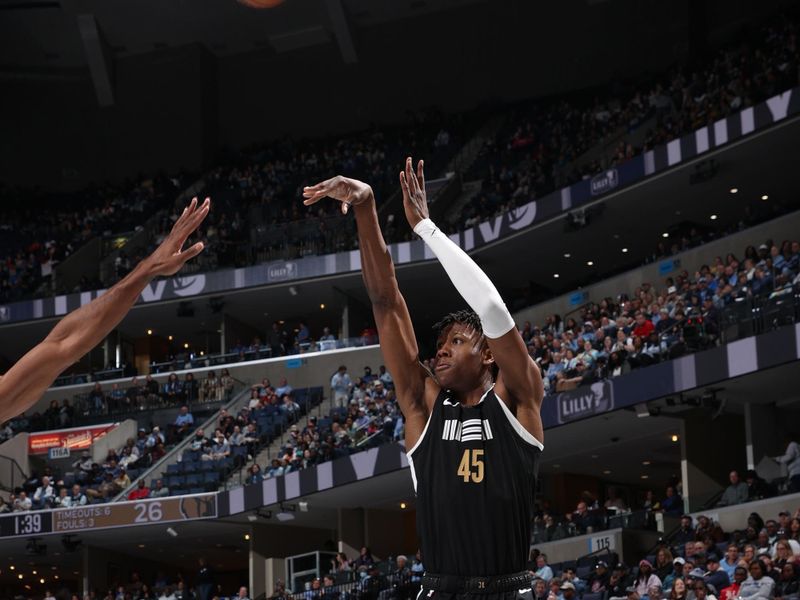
<point x="83" y="329"/>
<point x="519" y="382"/>
<point x="398" y="342"/>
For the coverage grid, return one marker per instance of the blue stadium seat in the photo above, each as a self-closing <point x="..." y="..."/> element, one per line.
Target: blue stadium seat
<point x="174" y="468"/>
<point x="211" y="477"/>
<point x="193" y="480"/>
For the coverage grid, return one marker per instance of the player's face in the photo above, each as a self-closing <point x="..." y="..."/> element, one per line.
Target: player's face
<point x="461" y="357"/>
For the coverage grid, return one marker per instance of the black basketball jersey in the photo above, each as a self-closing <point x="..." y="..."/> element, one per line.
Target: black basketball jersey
<point x="474" y="471"/>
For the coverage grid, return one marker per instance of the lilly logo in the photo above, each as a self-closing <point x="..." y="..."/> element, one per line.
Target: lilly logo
<point x="282" y="271"/>
<point x="189" y="286"/>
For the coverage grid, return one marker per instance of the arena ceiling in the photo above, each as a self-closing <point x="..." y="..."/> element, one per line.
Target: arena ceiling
<point x="49" y="34"/>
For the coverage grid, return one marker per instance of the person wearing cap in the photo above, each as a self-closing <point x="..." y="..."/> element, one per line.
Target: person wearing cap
<point x="702" y="591"/>
<point x="732" y="591"/>
<point x="646" y="579"/>
<point x="599" y="579"/>
<point x="568" y="590"/>
<point x="715" y="575"/>
<point x="677" y="573"/>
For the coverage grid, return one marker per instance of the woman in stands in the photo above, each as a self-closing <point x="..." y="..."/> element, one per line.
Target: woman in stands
<point x="664" y="564"/>
<point x="794" y="529"/>
<point x="701" y="591"/>
<point x="678" y="590"/>
<point x="758" y="586"/>
<point x="646" y="579"/>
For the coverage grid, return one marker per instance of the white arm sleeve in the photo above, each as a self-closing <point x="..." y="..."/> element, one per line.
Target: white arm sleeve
<point x="470" y="281"/>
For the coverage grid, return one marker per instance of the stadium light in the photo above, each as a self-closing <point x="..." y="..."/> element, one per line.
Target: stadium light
<point x="734" y="190"/>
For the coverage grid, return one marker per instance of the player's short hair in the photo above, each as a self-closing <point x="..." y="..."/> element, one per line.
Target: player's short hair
<point x="463" y="317"/>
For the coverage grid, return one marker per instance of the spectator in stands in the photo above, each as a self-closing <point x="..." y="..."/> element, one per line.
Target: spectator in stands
<point x="365" y="558"/>
<point x="242" y="595"/>
<point x="284" y="388"/>
<point x="122" y="481"/>
<point x="44" y="495"/>
<point x="539" y="589"/>
<point x="679" y="591"/>
<point x="289" y="407"/>
<point x="731" y="560"/>
<point x="339" y="564"/>
<point x="701" y="591"/>
<point x="417" y="568"/>
<point x="599" y="578"/>
<point x="183" y="422"/>
<point x="707" y="526"/>
<point x="618" y="583"/>
<point x="210" y="388"/>
<point x="784" y="553"/>
<point x="735" y="493"/>
<point x="254" y="474"/>
<point x="543" y="570"/>
<point x="402" y="588"/>
<point x="172" y="389"/>
<point x="569" y="576"/>
<point x="791" y="458"/>
<point x="62" y="500"/>
<point x="97" y="399"/>
<point x="716" y="576"/>
<point x="140" y="493"/>
<point x="204" y="580"/>
<point x="732" y="591"/>
<point x="676" y="573"/>
<point x="341" y="384"/>
<point x="105" y="490"/>
<point x="757" y="487"/>
<point x="160" y="490"/>
<point x="385" y="377"/>
<point x="78" y="498"/>
<point x="189" y="389"/>
<point x="614" y="502"/>
<point x="757" y="586"/>
<point x="664" y="564"/>
<point x="219" y="448"/>
<point x="646" y="578"/>
<point x="685" y="532"/>
<point x="788" y="585"/>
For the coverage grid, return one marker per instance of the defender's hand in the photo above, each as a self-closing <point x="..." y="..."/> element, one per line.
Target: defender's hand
<point x="345" y="190"/>
<point x="170" y="256"/>
<point x="415" y="201"/>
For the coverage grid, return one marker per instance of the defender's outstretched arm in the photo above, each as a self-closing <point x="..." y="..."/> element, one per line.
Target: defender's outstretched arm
<point x="84" y="328"/>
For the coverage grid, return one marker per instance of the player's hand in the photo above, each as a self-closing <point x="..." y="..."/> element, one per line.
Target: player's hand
<point x="415" y="201"/>
<point x="350" y="192"/>
<point x="170" y="256"/>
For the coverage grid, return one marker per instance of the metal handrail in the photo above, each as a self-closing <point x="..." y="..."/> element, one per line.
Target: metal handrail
<point x="13" y="463"/>
<point x="123" y="495"/>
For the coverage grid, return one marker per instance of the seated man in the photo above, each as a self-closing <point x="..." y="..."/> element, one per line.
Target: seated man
<point x="183" y="422"/>
<point x="44" y="495"/>
<point x="160" y="491"/>
<point x="735" y="493"/>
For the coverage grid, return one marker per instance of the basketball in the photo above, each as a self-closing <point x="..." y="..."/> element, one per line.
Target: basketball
<point x="261" y="3"/>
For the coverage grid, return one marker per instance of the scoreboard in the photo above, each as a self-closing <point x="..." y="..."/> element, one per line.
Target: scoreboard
<point x="107" y="516"/>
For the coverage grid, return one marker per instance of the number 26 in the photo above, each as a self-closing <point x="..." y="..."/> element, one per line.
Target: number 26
<point x="471" y="466"/>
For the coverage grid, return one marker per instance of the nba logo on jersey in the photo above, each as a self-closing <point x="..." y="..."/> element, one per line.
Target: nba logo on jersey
<point x="466" y="431"/>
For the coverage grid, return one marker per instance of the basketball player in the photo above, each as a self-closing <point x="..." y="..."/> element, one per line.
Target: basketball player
<point x="473" y="426"/>
<point x="84" y="328"/>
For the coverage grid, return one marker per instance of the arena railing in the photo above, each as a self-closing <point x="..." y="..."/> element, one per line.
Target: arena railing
<point x="194" y="361"/>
